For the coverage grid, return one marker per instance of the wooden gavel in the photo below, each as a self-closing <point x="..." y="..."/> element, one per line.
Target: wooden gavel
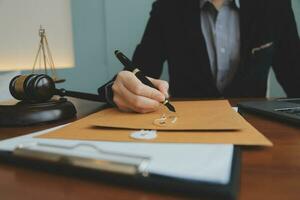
<point x="37" y="88"/>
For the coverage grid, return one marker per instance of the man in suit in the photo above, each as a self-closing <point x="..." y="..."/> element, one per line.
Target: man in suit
<point x="214" y="48"/>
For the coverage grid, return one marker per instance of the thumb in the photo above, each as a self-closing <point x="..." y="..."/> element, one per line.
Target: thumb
<point x="161" y="85"/>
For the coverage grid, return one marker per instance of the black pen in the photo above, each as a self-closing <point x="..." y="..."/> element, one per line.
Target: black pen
<point x="128" y="64"/>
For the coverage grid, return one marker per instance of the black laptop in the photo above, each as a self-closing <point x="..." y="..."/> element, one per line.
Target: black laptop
<point x="287" y="110"/>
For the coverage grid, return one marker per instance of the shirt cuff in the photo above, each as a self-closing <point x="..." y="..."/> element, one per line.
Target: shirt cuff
<point x="109" y="94"/>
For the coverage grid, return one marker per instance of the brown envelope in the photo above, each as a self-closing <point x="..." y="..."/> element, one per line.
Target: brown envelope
<point x="88" y="129"/>
<point x="191" y="115"/>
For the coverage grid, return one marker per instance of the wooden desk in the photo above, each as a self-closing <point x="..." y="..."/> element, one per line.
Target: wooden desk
<point x="267" y="173"/>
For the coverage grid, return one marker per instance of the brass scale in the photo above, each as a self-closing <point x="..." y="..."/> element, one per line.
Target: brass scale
<point x="44" y="58"/>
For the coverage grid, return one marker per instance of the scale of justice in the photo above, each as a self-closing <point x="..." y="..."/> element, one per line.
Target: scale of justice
<point x="44" y="58"/>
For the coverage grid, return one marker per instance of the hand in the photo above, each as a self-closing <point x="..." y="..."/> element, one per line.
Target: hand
<point x="130" y="94"/>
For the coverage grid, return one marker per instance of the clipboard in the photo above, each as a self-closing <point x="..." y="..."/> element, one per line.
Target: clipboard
<point x="121" y="168"/>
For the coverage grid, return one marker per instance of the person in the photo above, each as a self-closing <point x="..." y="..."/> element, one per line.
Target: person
<point x="214" y="48"/>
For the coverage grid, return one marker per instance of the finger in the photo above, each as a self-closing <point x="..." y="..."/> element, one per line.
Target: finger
<point x="121" y="104"/>
<point x="133" y="84"/>
<point x="138" y="103"/>
<point x="161" y="85"/>
<point x="117" y="99"/>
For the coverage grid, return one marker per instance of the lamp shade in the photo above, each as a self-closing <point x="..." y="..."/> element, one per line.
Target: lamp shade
<point x="20" y="21"/>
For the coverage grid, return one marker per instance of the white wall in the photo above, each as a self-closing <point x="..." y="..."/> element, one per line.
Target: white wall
<point x="100" y="27"/>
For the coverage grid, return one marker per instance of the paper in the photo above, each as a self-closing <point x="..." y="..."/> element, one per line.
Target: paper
<point x="199" y="162"/>
<point x="191" y="115"/>
<point x="85" y="130"/>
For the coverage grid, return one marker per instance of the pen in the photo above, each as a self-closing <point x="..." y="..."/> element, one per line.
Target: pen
<point x="128" y="64"/>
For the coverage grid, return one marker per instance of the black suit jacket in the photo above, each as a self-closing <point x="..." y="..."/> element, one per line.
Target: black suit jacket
<point x="269" y="37"/>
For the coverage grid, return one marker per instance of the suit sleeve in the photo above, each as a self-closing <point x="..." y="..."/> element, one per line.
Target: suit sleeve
<point x="286" y="63"/>
<point x="149" y="55"/>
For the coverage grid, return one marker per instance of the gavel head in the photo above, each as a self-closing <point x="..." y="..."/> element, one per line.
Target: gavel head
<point x="32" y="88"/>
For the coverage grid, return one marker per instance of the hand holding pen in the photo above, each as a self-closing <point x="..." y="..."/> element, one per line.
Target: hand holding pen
<point x="132" y="93"/>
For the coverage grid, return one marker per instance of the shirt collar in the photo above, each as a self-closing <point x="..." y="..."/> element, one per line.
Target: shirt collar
<point x="237" y="2"/>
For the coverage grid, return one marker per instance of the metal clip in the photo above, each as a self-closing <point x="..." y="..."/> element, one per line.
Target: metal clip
<point x="110" y="161"/>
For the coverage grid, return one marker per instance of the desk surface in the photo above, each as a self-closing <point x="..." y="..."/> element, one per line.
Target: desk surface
<point x="267" y="173"/>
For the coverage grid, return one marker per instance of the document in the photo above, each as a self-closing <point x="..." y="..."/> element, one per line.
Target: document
<point x="199" y="162"/>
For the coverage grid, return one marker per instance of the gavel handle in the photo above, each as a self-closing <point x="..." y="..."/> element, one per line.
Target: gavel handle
<point x="80" y="95"/>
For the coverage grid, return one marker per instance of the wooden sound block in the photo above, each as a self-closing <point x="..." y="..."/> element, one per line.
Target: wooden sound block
<point x="26" y="114"/>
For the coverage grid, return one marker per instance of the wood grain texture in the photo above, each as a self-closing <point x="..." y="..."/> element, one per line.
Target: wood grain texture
<point x="267" y="173"/>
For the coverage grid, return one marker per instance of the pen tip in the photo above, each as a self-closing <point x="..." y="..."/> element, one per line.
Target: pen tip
<point x="170" y="107"/>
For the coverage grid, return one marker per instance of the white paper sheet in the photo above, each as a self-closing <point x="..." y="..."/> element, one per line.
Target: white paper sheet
<point x="201" y="162"/>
